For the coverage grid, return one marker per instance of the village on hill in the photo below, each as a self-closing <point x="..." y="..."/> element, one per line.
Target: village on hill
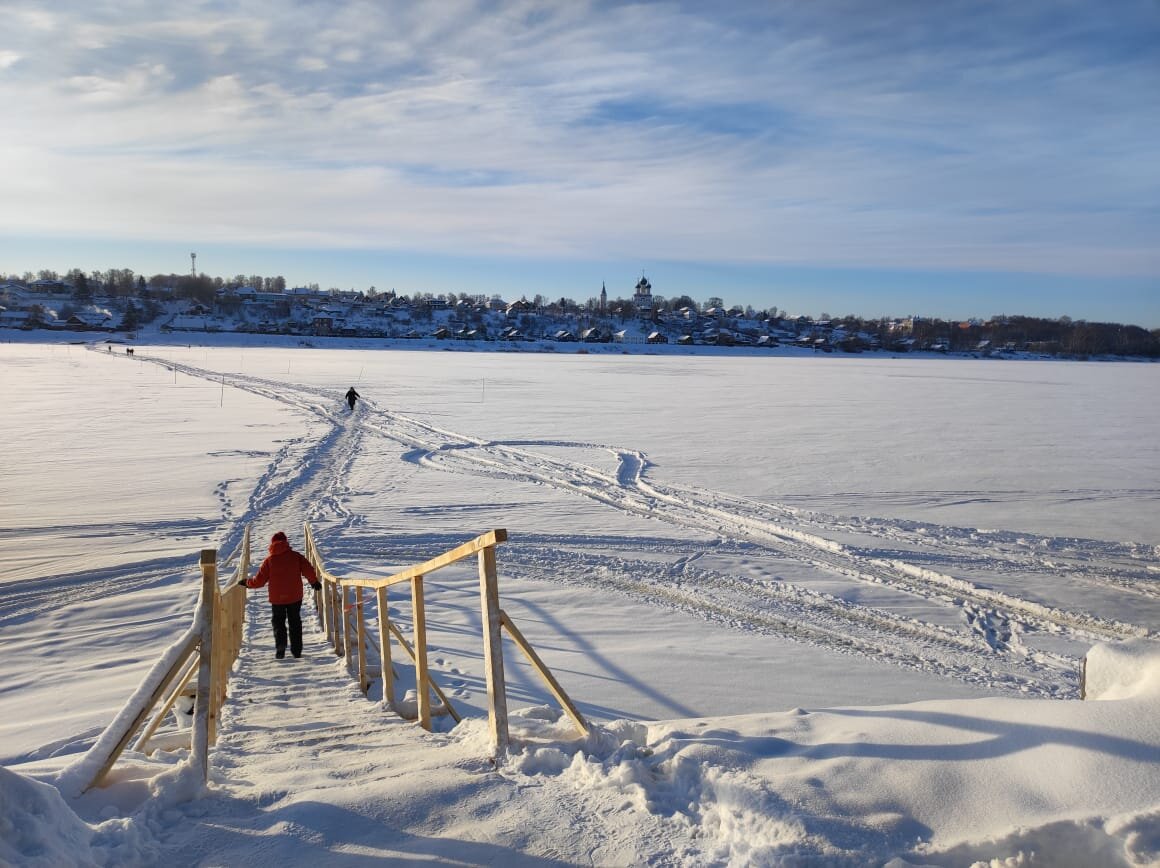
<point x="119" y="301"/>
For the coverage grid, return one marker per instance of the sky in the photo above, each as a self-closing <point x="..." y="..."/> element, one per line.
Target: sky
<point x="955" y="159"/>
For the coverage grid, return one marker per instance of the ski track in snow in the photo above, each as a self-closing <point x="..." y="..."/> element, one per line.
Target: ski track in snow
<point x="305" y="480"/>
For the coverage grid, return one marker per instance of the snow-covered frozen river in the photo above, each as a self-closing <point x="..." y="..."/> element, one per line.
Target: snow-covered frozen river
<point x="695" y="533"/>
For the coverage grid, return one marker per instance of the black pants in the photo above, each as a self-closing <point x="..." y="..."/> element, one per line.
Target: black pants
<point x="282" y="612"/>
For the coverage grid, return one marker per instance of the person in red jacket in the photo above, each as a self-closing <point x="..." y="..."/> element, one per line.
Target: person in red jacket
<point x="283" y="569"/>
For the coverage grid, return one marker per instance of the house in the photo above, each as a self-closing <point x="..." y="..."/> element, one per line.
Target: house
<point x="564" y="336"/>
<point x="594" y="336"/>
<point x="685" y="340"/>
<point x="657" y="338"/>
<point x="50" y="287"/>
<point x="13" y="294"/>
<point x="718" y="338"/>
<point x="83" y="322"/>
<point x="15" y="319"/>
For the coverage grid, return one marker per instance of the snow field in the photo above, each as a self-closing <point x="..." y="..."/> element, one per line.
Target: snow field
<point x="670" y="566"/>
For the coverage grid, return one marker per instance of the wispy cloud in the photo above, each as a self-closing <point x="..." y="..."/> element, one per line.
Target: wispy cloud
<point x="1016" y="136"/>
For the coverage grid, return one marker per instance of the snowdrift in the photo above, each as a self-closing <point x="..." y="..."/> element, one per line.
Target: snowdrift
<point x="1126" y="670"/>
<point x="950" y="782"/>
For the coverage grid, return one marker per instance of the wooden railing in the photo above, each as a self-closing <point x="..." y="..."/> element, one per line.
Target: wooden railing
<point x="343" y="618"/>
<point x="206" y="650"/>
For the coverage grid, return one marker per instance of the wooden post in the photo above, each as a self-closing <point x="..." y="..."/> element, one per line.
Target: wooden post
<point x="493" y="650"/>
<point x="347" y="627"/>
<point x="360" y="623"/>
<point x="239" y="618"/>
<point x="322" y="598"/>
<point x="421" y="678"/>
<point x="385" y="649"/>
<point x="216" y="666"/>
<point x="202" y="724"/>
<point x="336" y="617"/>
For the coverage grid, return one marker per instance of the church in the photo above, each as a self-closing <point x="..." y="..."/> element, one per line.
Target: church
<point x="642" y="297"/>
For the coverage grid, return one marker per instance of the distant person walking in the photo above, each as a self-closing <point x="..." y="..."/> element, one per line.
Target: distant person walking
<point x="283" y="569"/>
<point x="351" y="397"/>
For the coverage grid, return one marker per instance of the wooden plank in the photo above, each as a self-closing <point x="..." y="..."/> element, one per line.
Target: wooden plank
<point x="487" y="540"/>
<point x="419" y="618"/>
<point x="545" y="673"/>
<point x="385" y="648"/>
<point x="493" y="650"/>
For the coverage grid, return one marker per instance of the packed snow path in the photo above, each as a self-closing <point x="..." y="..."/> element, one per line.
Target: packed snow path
<point x="964" y="630"/>
<point x="308" y="770"/>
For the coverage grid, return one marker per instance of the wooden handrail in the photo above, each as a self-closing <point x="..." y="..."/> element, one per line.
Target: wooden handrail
<point x="488" y="540"/>
<point x="208" y="650"/>
<point x="343" y="618"/>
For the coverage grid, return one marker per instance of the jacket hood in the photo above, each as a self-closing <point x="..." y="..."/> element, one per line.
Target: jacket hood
<point x="279" y="543"/>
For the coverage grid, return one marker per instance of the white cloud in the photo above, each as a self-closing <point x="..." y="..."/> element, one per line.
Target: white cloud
<point x="644" y="131"/>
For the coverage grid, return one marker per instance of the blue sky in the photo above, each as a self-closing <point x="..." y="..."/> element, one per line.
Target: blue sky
<point x="950" y="159"/>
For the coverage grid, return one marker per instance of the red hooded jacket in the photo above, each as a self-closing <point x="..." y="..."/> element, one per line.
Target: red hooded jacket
<point x="283" y="569"/>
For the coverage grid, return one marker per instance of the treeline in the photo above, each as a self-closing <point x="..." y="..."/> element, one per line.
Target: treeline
<point x="125" y="283"/>
<point x="1063" y="336"/>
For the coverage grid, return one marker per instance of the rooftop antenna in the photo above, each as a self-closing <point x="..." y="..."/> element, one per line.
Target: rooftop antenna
<point x="193" y="265"/>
